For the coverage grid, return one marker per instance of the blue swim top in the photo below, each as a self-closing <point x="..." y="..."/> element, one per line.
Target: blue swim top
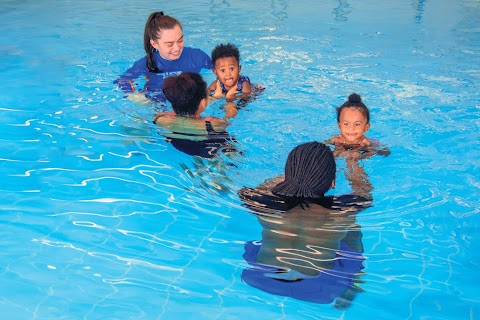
<point x="241" y="79"/>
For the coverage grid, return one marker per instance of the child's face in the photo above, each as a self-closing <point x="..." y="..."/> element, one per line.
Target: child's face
<point x="227" y="71"/>
<point x="170" y="44"/>
<point x="353" y="124"/>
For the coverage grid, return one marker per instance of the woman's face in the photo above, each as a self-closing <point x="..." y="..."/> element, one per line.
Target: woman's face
<point x="170" y="43"/>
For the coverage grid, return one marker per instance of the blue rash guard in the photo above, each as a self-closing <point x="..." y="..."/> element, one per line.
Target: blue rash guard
<point x="191" y="60"/>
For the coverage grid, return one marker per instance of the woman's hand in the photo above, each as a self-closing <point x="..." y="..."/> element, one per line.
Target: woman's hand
<point x="218" y="90"/>
<point x="139" y="98"/>
<point x="232" y="94"/>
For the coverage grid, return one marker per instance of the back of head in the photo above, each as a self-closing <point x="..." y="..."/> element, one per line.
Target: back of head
<point x="185" y="91"/>
<point x="309" y="172"/>
<point x="156" y="23"/>
<point x="224" y="51"/>
<point x="354" y="101"/>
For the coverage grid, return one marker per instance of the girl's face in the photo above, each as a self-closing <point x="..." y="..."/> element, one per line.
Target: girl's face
<point x="227" y="71"/>
<point x="353" y="124"/>
<point x="170" y="44"/>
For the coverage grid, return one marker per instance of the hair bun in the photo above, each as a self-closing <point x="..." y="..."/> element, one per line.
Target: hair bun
<point x="354" y="98"/>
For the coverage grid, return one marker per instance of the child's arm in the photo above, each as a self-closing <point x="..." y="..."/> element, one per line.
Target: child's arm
<point x="365" y="142"/>
<point x="335" y="140"/>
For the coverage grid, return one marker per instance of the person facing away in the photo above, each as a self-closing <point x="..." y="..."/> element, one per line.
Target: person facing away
<point x="188" y="130"/>
<point x="311" y="245"/>
<point x="353" y="119"/>
<point x="229" y="83"/>
<point x="166" y="55"/>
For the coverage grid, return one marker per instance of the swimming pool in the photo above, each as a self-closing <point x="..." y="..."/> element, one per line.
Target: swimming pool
<point x="102" y="219"/>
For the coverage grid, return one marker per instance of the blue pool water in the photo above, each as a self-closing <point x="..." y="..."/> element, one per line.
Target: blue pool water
<point x="102" y="219"/>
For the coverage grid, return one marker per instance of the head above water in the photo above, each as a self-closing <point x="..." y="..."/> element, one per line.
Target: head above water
<point x="354" y="101"/>
<point x="309" y="172"/>
<point x="225" y="51"/>
<point x="158" y="24"/>
<point x="185" y="92"/>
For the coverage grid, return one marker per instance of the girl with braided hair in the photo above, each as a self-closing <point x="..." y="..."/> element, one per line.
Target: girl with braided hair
<point x="311" y="246"/>
<point x="166" y="55"/>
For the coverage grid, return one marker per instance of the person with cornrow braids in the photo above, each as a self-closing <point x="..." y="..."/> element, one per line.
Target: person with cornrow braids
<point x="311" y="246"/>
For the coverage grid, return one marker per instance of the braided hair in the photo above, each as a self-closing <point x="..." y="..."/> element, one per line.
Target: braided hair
<point x="309" y="172"/>
<point x="156" y="23"/>
<point x="354" y="101"/>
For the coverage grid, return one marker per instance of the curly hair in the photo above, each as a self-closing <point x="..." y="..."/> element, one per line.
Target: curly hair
<point x="185" y="91"/>
<point x="224" y="51"/>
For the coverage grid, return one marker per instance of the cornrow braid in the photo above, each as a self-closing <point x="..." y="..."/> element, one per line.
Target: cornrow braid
<point x="309" y="172"/>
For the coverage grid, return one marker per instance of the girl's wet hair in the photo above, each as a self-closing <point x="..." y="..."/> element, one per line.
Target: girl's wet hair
<point x="309" y="172"/>
<point x="224" y="51"/>
<point x="354" y="101"/>
<point x="185" y="91"/>
<point x="156" y="23"/>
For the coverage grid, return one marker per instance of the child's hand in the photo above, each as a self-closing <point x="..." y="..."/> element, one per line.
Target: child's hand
<point x="139" y="98"/>
<point x="365" y="142"/>
<point x="218" y="90"/>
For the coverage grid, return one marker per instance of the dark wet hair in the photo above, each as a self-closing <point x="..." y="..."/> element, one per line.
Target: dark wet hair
<point x="185" y="91"/>
<point x="309" y="172"/>
<point x="224" y="51"/>
<point x="156" y="23"/>
<point x="354" y="101"/>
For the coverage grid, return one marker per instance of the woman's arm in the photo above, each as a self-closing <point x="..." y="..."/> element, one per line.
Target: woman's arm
<point x="125" y="81"/>
<point x="234" y="94"/>
<point x="357" y="177"/>
<point x="230" y="110"/>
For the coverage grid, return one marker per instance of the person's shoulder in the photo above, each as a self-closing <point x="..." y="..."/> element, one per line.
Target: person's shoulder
<point x="194" y="51"/>
<point x="243" y="78"/>
<point x="351" y="202"/>
<point x="262" y="202"/>
<point x="164" y="117"/>
<point x="218" y="124"/>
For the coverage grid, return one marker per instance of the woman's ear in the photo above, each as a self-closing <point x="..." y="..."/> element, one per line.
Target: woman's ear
<point x="203" y="105"/>
<point x="333" y="184"/>
<point x="153" y="43"/>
